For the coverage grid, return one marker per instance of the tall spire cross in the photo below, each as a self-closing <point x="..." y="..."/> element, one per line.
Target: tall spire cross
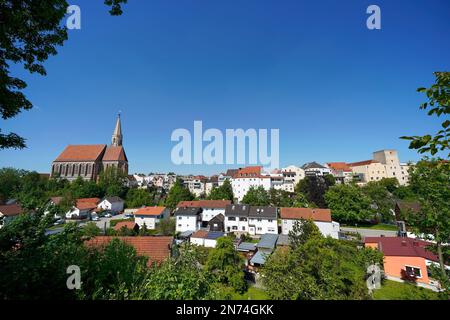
<point x="117" y="135"/>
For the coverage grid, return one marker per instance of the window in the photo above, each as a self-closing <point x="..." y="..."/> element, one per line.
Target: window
<point x="179" y="225"/>
<point x="179" y="218"/>
<point x="259" y="220"/>
<point x="242" y="219"/>
<point x="259" y="229"/>
<point x="243" y="228"/>
<point x="231" y="218"/>
<point x="413" y="271"/>
<point x="234" y="228"/>
<point x="270" y="220"/>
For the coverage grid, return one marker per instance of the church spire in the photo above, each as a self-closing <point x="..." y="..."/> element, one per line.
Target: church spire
<point x="117" y="135"/>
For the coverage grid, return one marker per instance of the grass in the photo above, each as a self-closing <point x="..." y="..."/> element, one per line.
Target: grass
<point x="392" y="290"/>
<point x="380" y="226"/>
<point x="252" y="293"/>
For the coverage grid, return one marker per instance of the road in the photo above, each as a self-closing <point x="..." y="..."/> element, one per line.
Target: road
<point x="370" y="232"/>
<point x="101" y="223"/>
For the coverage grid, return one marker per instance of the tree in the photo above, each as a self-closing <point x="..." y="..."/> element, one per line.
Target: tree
<point x="112" y="181"/>
<point x="225" y="263"/>
<point x="256" y="197"/>
<point x="382" y="200"/>
<point x="28" y="39"/>
<point x="178" y="193"/>
<point x="166" y="227"/>
<point x="224" y="192"/>
<point x="348" y="203"/>
<point x="280" y="198"/>
<point x="91" y="230"/>
<point x="430" y="182"/>
<point x="9" y="182"/>
<point x="302" y="231"/>
<point x="137" y="198"/>
<point x="314" y="188"/>
<point x="319" y="269"/>
<point x="439" y="104"/>
<point x="80" y="188"/>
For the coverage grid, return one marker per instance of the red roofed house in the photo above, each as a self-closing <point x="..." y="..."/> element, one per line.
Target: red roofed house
<point x="150" y="216"/>
<point x="341" y="171"/>
<point x="210" y="208"/>
<point x="87" y="161"/>
<point x="405" y="258"/>
<point x="321" y="218"/>
<point x="157" y="249"/>
<point x="126" y="224"/>
<point x="83" y="208"/>
<point x="9" y="212"/>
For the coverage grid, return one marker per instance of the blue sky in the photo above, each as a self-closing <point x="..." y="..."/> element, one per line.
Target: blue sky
<point x="336" y="90"/>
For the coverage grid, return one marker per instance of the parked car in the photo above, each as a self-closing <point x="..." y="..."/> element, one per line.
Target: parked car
<point x="96" y="219"/>
<point x="108" y="215"/>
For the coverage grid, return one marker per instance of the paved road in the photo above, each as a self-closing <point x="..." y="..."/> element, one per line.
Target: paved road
<point x="101" y="223"/>
<point x="370" y="232"/>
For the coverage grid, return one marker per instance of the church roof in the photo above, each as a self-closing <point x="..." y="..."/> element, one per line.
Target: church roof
<point x="82" y="152"/>
<point x="115" y="154"/>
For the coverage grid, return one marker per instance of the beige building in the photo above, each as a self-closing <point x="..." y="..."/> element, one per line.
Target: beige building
<point x="385" y="164"/>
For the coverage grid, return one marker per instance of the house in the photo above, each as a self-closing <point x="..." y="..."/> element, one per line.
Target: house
<point x="265" y="247"/>
<point x="131" y="225"/>
<point x="217" y="223"/>
<point x="83" y="208"/>
<point x="205" y="238"/>
<point x="211" y="183"/>
<point x="262" y="220"/>
<point x="236" y="218"/>
<point x="321" y="218"/>
<point x="404" y="207"/>
<point x="114" y="204"/>
<point x="210" y="208"/>
<point x="196" y="185"/>
<point x="150" y="216"/>
<point x="247" y="178"/>
<point x="341" y="171"/>
<point x="315" y="169"/>
<point x="406" y="259"/>
<point x="226" y="176"/>
<point x="188" y="219"/>
<point x="9" y="212"/>
<point x="156" y="249"/>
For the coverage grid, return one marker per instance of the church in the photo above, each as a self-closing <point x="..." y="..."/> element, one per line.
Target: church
<point x="88" y="161"/>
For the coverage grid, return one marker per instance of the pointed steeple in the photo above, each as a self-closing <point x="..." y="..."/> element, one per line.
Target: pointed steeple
<point x="117" y="135"/>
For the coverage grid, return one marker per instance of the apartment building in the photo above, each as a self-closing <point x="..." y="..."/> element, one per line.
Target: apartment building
<point x="249" y="177"/>
<point x="252" y="220"/>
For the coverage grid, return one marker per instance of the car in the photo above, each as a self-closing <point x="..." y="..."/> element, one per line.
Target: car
<point x="129" y="215"/>
<point x="95" y="219"/>
<point x="108" y="215"/>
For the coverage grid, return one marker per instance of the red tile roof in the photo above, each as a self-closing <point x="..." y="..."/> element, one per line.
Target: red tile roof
<point x="150" y="211"/>
<point x="82" y="152"/>
<point x="250" y="172"/>
<point x="115" y="154"/>
<point x="362" y="163"/>
<point x="323" y="215"/>
<point x="204" y="204"/>
<point x="92" y="200"/>
<point x="405" y="247"/>
<point x="87" y="203"/>
<point x="11" y="210"/>
<point x="338" y="166"/>
<point x="202" y="234"/>
<point x="157" y="249"/>
<point x="127" y="224"/>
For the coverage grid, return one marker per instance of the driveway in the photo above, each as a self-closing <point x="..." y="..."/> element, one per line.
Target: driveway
<point x="370" y="232"/>
<point x="104" y="222"/>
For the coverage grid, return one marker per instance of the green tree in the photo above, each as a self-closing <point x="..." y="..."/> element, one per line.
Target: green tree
<point x="430" y="182"/>
<point x="224" y="192"/>
<point x="28" y="39"/>
<point x="382" y="200"/>
<point x="314" y="188"/>
<point x="91" y="230"/>
<point x="226" y="264"/>
<point x="9" y="182"/>
<point x="438" y="104"/>
<point x="256" y="197"/>
<point x="137" y="198"/>
<point x="166" y="227"/>
<point x="348" y="203"/>
<point x="112" y="181"/>
<point x="80" y="188"/>
<point x="281" y="198"/>
<point x="302" y="231"/>
<point x="178" y="193"/>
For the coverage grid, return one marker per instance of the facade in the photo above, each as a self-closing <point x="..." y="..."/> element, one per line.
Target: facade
<point x="315" y="169"/>
<point x="249" y="177"/>
<point x="88" y="161"/>
<point x="196" y="185"/>
<point x="251" y="220"/>
<point x="406" y="259"/>
<point x="210" y="208"/>
<point x="321" y="218"/>
<point x="211" y="183"/>
<point x="205" y="238"/>
<point x="341" y="171"/>
<point x="150" y="216"/>
<point x="188" y="219"/>
<point x="292" y="176"/>
<point x="226" y="176"/>
<point x="83" y="208"/>
<point x="114" y="204"/>
<point x="217" y="223"/>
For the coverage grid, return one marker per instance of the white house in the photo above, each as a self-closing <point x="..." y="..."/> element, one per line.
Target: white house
<point x="210" y="208"/>
<point x="114" y="204"/>
<point x="205" y="238"/>
<point x="315" y="169"/>
<point x="9" y="212"/>
<point x="252" y="220"/>
<point x="249" y="177"/>
<point x="150" y="216"/>
<point x="187" y="219"/>
<point x="83" y="208"/>
<point x="196" y="185"/>
<point x="321" y="218"/>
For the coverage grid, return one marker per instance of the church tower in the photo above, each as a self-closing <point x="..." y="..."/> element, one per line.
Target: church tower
<point x="117" y="135"/>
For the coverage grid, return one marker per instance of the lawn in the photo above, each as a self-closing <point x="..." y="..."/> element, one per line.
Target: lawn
<point x="252" y="293"/>
<point x="392" y="290"/>
<point x="380" y="226"/>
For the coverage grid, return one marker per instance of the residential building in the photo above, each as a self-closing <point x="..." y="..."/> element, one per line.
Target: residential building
<point x="114" y="204"/>
<point x="341" y="171"/>
<point x="406" y="259"/>
<point x="315" y="169"/>
<point x="196" y="185"/>
<point x="321" y="218"/>
<point x="150" y="216"/>
<point x="9" y="212"/>
<point x="210" y="208"/>
<point x="217" y="223"/>
<point x="156" y="249"/>
<point x="88" y="161"/>
<point x="83" y="208"/>
<point x="130" y="225"/>
<point x="265" y="247"/>
<point x="211" y="183"/>
<point x="188" y="219"/>
<point x="206" y="238"/>
<point x="249" y="219"/>
<point x="249" y="177"/>
<point x="236" y="218"/>
<point x="226" y="176"/>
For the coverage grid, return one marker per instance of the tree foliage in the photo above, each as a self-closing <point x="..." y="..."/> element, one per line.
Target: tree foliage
<point x="314" y="189"/>
<point x="224" y="192"/>
<point x="178" y="193"/>
<point x="256" y="197"/>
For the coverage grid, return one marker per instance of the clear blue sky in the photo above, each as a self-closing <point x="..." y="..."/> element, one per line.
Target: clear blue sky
<point x="336" y="90"/>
